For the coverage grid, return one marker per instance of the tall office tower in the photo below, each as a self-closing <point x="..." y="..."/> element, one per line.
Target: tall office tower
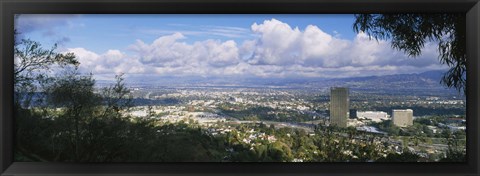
<point x="339" y="106"/>
<point x="402" y="117"/>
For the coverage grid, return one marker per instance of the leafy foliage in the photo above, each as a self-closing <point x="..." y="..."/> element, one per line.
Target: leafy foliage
<point x="404" y="157"/>
<point x="31" y="67"/>
<point x="79" y="128"/>
<point x="410" y="32"/>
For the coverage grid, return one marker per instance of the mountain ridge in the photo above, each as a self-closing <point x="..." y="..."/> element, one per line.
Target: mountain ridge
<point x="428" y="79"/>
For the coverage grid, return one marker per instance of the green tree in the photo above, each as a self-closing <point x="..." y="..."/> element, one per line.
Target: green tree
<point x="34" y="129"/>
<point x="76" y="95"/>
<point x="410" y="32"/>
<point x="32" y="64"/>
<point x="455" y="151"/>
<point x="117" y="97"/>
<point x="403" y="157"/>
<point x="107" y="131"/>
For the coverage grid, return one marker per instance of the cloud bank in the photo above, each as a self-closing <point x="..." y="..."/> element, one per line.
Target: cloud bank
<point x="278" y="50"/>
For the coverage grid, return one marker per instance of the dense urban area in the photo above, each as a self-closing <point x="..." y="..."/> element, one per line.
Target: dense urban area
<point x="293" y="125"/>
<point x="259" y="118"/>
<point x="263" y="123"/>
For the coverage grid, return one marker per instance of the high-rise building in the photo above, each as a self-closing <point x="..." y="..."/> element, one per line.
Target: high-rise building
<point x="339" y="104"/>
<point x="402" y="117"/>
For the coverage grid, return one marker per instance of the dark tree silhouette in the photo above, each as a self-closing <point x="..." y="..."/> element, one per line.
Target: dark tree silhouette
<point x="31" y="67"/>
<point x="410" y="32"/>
<point x="75" y="94"/>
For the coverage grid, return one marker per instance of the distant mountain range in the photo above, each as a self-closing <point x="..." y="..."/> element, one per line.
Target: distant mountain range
<point x="426" y="81"/>
<point x="416" y="83"/>
<point x="428" y="76"/>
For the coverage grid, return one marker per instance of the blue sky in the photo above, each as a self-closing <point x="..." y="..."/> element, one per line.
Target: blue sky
<point x="265" y="45"/>
<point x="119" y="31"/>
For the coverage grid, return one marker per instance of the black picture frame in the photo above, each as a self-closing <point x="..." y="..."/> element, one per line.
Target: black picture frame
<point x="8" y="8"/>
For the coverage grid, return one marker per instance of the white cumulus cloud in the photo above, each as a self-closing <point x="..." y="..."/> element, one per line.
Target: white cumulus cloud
<point x="278" y="50"/>
<point x="110" y="62"/>
<point x="280" y="44"/>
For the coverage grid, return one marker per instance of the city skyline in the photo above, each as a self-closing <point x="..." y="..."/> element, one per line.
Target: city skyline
<point x="262" y="46"/>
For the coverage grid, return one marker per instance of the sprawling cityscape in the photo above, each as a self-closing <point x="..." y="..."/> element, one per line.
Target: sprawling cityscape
<point x="239" y="88"/>
<point x="400" y="123"/>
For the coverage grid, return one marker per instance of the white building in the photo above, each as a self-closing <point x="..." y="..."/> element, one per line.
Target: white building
<point x="375" y="116"/>
<point x="402" y="117"/>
